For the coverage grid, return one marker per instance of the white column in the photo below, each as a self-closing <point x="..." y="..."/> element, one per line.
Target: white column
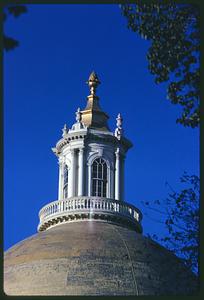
<point x="108" y="182"/>
<point x="122" y="192"/>
<point x="69" y="182"/>
<point x="60" y="187"/>
<point x="112" y="183"/>
<point x="72" y="174"/>
<point x="117" y="175"/>
<point x="81" y="173"/>
<point x="89" y="180"/>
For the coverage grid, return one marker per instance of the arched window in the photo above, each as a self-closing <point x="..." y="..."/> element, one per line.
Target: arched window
<point x="99" y="178"/>
<point x="65" y="185"/>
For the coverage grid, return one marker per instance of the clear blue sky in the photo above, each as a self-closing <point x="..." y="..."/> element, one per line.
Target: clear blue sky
<point x="44" y="84"/>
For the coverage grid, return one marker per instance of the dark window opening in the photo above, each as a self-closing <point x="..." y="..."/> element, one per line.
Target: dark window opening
<point x="99" y="178"/>
<point x="65" y="184"/>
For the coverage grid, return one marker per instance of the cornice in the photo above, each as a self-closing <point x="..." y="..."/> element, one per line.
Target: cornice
<point x="91" y="135"/>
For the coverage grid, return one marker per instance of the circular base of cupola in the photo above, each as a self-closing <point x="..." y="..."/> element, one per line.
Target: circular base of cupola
<point x="77" y="209"/>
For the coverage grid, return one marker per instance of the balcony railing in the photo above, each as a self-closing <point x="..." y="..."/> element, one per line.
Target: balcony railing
<point x="80" y="208"/>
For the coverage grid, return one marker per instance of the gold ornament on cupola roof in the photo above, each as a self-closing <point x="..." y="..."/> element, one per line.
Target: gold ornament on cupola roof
<point x="93" y="116"/>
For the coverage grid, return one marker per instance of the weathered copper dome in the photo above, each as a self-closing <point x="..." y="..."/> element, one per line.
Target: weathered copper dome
<point x="93" y="258"/>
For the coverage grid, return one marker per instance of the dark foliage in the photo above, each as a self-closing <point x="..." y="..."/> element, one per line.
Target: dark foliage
<point x="180" y="215"/>
<point x="9" y="43"/>
<point x="15" y="10"/>
<point x="173" y="57"/>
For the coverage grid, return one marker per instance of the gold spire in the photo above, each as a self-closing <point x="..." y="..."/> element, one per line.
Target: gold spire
<point x="92" y="115"/>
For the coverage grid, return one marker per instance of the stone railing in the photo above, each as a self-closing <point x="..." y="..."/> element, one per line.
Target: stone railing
<point x="91" y="208"/>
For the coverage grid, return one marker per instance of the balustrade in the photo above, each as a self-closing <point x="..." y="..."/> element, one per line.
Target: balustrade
<point x="88" y="204"/>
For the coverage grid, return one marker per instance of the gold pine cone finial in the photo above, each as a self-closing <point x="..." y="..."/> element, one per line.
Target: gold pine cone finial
<point x="93" y="82"/>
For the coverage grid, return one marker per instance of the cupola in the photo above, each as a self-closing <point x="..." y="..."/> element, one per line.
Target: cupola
<point x="91" y="161"/>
